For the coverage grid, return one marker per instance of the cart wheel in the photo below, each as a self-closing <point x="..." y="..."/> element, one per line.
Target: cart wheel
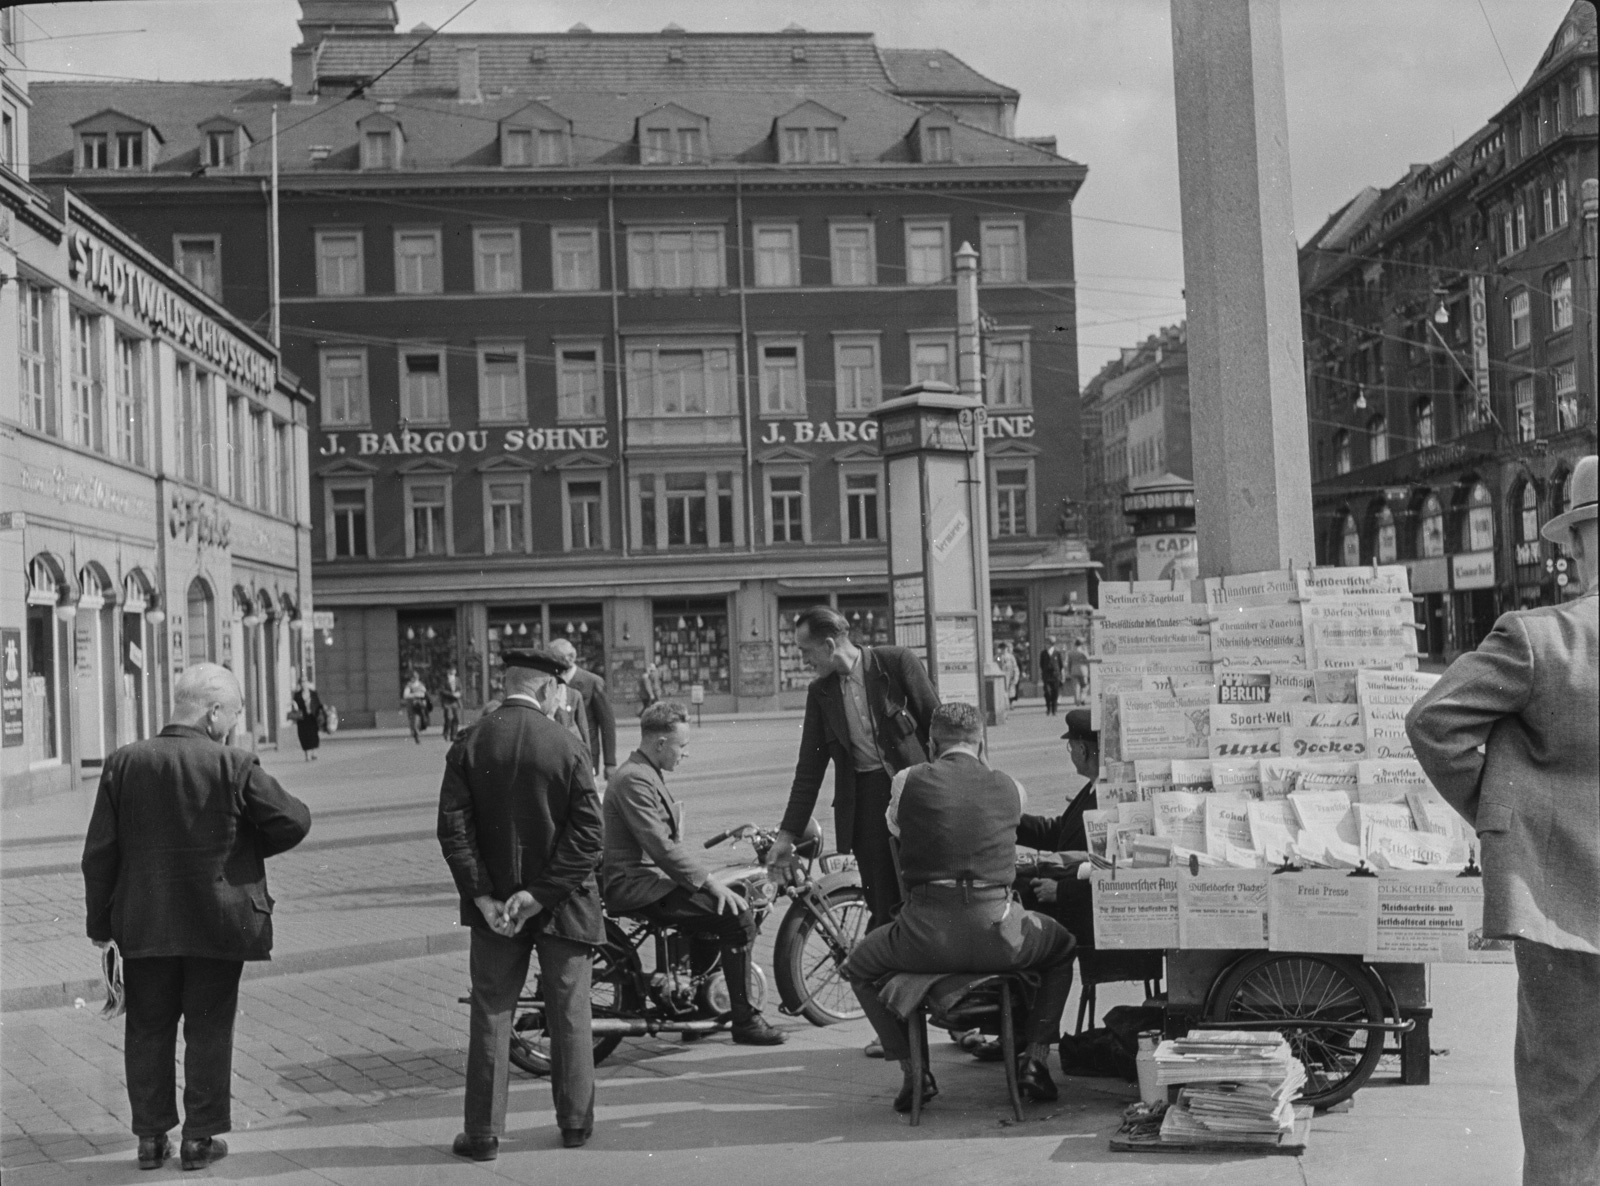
<point x="1294" y="987"/>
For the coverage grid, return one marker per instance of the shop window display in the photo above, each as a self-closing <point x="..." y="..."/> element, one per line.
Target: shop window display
<point x="512" y="628"/>
<point x="584" y="627"/>
<point x="691" y="646"/>
<point x="427" y="646"/>
<point x="1008" y="622"/>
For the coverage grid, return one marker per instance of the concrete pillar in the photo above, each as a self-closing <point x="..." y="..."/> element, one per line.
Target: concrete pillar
<point x="1252" y="463"/>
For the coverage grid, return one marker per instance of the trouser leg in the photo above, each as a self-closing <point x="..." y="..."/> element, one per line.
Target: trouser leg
<point x="1047" y="948"/>
<point x="565" y="970"/>
<point x="210" y="1004"/>
<point x="1557" y="1062"/>
<point x="499" y="969"/>
<point x="873" y="959"/>
<point x="697" y="916"/>
<point x="874" y="859"/>
<point x="154" y="989"/>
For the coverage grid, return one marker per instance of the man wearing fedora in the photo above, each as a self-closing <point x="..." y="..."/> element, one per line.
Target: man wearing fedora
<point x="1508" y="735"/>
<point x="520" y="826"/>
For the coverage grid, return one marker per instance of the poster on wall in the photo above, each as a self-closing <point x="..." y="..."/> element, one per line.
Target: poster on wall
<point x="11" y="726"/>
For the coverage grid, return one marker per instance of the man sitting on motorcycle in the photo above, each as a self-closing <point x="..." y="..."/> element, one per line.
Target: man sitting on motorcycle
<point x="648" y="871"/>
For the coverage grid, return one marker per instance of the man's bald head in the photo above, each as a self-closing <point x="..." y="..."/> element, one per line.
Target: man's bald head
<point x="206" y="696"/>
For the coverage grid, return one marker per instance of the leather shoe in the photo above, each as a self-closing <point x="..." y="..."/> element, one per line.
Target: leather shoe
<point x="930" y="1089"/>
<point x="477" y="1148"/>
<point x="199" y="1153"/>
<point x="873" y="1049"/>
<point x="757" y="1032"/>
<point x="576" y="1138"/>
<point x="154" y="1151"/>
<point x="1033" y="1080"/>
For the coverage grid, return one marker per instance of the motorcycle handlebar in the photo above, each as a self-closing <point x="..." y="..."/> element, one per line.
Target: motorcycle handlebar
<point x="718" y="839"/>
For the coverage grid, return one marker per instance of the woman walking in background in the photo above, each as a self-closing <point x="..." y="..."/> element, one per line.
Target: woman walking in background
<point x="309" y="718"/>
<point x="1007" y="660"/>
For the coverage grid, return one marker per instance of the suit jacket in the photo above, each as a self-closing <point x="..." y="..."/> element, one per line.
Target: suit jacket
<point x="902" y="701"/>
<point x="518" y="811"/>
<point x="645" y="854"/>
<point x="599" y="723"/>
<point x="1529" y="696"/>
<point x="1073" y="907"/>
<point x="174" y="863"/>
<point x="1051" y="666"/>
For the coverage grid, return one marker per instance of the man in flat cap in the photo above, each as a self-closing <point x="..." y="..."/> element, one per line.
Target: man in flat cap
<point x="1508" y="737"/>
<point x="520" y="826"/>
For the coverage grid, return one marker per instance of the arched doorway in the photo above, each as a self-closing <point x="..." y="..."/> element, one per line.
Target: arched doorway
<point x="200" y="630"/>
<point x="139" y="662"/>
<point x="96" y="670"/>
<point x="273" y="705"/>
<point x="48" y="643"/>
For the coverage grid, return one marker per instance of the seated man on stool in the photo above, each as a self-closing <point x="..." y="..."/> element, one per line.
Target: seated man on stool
<point x="1065" y="896"/>
<point x="650" y="873"/>
<point x="957" y="823"/>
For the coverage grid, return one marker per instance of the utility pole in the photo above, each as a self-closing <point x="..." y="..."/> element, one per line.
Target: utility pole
<point x="277" y="343"/>
<point x="969" y="382"/>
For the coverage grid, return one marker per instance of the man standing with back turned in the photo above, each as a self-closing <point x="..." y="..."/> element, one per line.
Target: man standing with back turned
<point x="519" y="823"/>
<point x="1528" y="698"/>
<point x="174" y="869"/>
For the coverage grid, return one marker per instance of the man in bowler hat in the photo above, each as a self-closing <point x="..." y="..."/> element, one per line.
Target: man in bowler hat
<point x="519" y="823"/>
<point x="1508" y="737"/>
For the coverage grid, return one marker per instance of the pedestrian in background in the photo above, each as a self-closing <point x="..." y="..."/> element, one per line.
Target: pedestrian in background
<point x="415" y="698"/>
<point x="174" y="872"/>
<point x="594" y="707"/>
<point x="520" y="827"/>
<point x="1008" y="668"/>
<point x="1077" y="670"/>
<point x="1050" y="673"/>
<point x="309" y="716"/>
<point x="450" y="703"/>
<point x="649" y="687"/>
<point x="1509" y="737"/>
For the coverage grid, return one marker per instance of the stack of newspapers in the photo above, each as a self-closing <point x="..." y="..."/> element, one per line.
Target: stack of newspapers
<point x="1234" y="1087"/>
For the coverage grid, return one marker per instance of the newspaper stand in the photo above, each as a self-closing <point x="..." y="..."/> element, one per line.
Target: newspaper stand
<point x="1335" y="958"/>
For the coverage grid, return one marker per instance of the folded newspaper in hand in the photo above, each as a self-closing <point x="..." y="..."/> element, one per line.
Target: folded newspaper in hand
<point x="111" y="973"/>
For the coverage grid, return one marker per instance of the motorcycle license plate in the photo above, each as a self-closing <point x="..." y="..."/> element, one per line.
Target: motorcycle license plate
<point x="838" y="862"/>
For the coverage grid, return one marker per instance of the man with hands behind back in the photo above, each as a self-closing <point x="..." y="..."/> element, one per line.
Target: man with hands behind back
<point x="519" y="823"/>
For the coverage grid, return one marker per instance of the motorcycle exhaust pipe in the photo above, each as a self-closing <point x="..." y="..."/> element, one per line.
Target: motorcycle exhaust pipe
<point x="634" y="1027"/>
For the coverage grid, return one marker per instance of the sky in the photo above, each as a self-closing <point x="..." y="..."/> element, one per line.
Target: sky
<point x="1372" y="87"/>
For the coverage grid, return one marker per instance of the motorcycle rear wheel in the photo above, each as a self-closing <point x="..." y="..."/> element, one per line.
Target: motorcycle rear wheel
<point x="808" y="969"/>
<point x="613" y="992"/>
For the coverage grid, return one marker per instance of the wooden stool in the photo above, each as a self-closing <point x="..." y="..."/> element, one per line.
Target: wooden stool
<point x="962" y="1015"/>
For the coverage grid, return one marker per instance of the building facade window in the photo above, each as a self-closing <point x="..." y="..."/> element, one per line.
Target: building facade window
<point x="585" y="520"/>
<point x="863" y="502"/>
<point x="1560" y="289"/>
<point x="578" y="382"/>
<point x="94" y="151"/>
<point x="201" y="627"/>
<point x="575" y="255"/>
<point x="814" y="146"/>
<point x="130" y="150"/>
<point x="1520" y="221"/>
<point x="507" y="529"/>
<point x="786" y="507"/>
<point x="858" y="379"/>
<point x="418" y="263"/>
<point x="196" y="427"/>
<point x="261" y="460"/>
<point x="1521" y="320"/>
<point x="1547" y="210"/>
<point x="132" y="405"/>
<point x="686" y="509"/>
<point x="8" y="136"/>
<point x="422" y="387"/>
<point x="1377" y="439"/>
<point x="37" y="386"/>
<point x="220" y="149"/>
<point x="1005" y="373"/>
<point x="378" y="149"/>
<point x="1522" y="394"/>
<point x="1386" y="540"/>
<point x="933" y="358"/>
<point x="937" y="145"/>
<point x="1430" y="528"/>
<point x="1342" y="460"/>
<point x="1479" y="533"/>
<point x="86" y="393"/>
<point x="681" y="380"/>
<point x="285" y="454"/>
<point x="1563" y="212"/>
<point x="1422" y="412"/>
<point x="1001" y="254"/>
<point x="502" y="394"/>
<point x="199" y="258"/>
<point x="428" y="517"/>
<point x="777" y="256"/>
<point x="344" y="388"/>
<point x="1012" y="485"/>
<point x="497" y="259"/>
<point x="1528" y="514"/>
<point x="237" y="433"/>
<point x="783" y="384"/>
<point x="674" y="146"/>
<point x="340" y="271"/>
<point x="1565" y="381"/>
<point x="927" y="252"/>
<point x="349" y="521"/>
<point x="1350" y="542"/>
<point x="678" y="258"/>
<point x="852" y="253"/>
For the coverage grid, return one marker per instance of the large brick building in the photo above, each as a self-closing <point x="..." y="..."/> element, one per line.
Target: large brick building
<point x="596" y="319"/>
<point x="1450" y="354"/>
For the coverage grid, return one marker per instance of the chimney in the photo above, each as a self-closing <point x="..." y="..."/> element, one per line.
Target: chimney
<point x="318" y="18"/>
<point x="303" y="72"/>
<point x="467" y="89"/>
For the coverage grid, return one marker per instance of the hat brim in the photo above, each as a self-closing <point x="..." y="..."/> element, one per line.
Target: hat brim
<point x="1556" y="529"/>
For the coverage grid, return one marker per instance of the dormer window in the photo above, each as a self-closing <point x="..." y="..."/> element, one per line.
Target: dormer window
<point x="377" y="150"/>
<point x="93" y="148"/>
<point x="809" y="134"/>
<point x="219" y="149"/>
<point x="224" y="144"/>
<point x="936" y="145"/>
<point x="130" y="150"/>
<point x="536" y="135"/>
<point x="111" y="140"/>
<point x="672" y="135"/>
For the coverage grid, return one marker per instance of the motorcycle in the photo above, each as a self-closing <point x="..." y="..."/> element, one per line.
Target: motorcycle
<point x="678" y="994"/>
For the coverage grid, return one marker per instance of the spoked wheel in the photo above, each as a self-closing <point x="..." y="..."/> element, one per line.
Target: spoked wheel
<point x="808" y="961"/>
<point x="613" y="992"/>
<point x="1302" y="990"/>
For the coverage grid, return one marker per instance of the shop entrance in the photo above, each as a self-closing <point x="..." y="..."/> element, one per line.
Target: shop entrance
<point x="427" y="641"/>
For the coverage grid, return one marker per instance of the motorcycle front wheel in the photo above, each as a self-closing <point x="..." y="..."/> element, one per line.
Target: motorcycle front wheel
<point x="613" y="992"/>
<point x="808" y="961"/>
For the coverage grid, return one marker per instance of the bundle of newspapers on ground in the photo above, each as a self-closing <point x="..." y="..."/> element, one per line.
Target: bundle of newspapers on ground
<point x="1234" y="1086"/>
<point x="1253" y="720"/>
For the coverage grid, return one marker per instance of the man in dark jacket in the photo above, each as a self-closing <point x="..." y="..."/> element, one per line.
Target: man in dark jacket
<point x="867" y="712"/>
<point x="519" y="823"/>
<point x="174" y="871"/>
<point x="1052" y="669"/>
<point x="597" y="721"/>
